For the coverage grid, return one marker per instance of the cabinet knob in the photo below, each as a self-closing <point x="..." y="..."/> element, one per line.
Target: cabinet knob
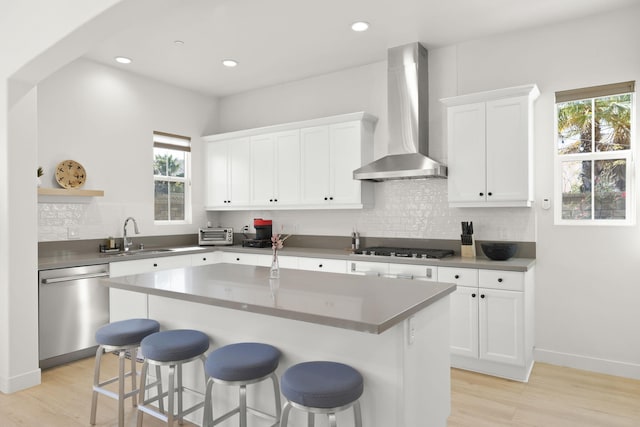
<point x="275" y="200"/>
<point x="473" y="295"/>
<point x="500" y="280"/>
<point x="481" y="194"/>
<point x="489" y="193"/>
<point x="481" y="295"/>
<point x="204" y="259"/>
<point x="237" y="259"/>
<point x="271" y="200"/>
<point x="155" y="265"/>
<point x="326" y="198"/>
<point x="457" y="276"/>
<point x="330" y="198"/>
<point x="320" y="265"/>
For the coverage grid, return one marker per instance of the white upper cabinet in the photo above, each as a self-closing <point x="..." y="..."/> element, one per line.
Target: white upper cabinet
<point x="275" y="163"/>
<point x="301" y="165"/>
<point x="330" y="154"/>
<point x="490" y="143"/>
<point x="229" y="174"/>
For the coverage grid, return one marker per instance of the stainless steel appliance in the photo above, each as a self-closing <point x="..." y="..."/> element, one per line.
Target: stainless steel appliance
<point x="408" y="114"/>
<point x="405" y="252"/>
<point x="213" y="236"/>
<point x="72" y="306"/>
<point x="263" y="234"/>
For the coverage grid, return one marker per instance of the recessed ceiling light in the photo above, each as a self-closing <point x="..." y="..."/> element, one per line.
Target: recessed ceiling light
<point x="178" y="42"/>
<point x="123" y="60"/>
<point x="229" y="63"/>
<point x="360" y="26"/>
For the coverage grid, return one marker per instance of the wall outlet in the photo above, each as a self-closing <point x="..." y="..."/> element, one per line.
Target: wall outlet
<point x="73" y="233"/>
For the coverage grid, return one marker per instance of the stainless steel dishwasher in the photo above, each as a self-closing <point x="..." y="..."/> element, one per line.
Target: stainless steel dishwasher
<point x="72" y="306"/>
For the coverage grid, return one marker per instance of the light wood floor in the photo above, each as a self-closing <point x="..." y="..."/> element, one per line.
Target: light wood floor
<point x="554" y="397"/>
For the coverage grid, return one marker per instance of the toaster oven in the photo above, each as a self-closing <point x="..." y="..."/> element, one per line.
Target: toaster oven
<point x="212" y="236"/>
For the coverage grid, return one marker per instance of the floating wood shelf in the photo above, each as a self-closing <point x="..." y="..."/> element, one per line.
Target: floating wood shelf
<point x="69" y="192"/>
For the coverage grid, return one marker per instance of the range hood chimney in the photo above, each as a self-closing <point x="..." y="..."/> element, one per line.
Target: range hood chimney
<point x="408" y="114"/>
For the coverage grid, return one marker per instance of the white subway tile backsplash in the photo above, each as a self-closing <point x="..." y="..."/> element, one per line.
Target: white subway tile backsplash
<point x="404" y="209"/>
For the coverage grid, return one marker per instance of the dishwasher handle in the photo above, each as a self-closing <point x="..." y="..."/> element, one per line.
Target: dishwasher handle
<point x="74" y="277"/>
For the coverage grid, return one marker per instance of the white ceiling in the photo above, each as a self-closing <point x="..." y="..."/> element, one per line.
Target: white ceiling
<point x="278" y="41"/>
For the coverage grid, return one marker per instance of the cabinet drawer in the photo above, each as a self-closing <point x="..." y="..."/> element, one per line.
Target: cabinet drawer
<point x="318" y="264"/>
<point x="458" y="276"/>
<point x="240" y="258"/>
<point x="206" y="258"/>
<point x="496" y="279"/>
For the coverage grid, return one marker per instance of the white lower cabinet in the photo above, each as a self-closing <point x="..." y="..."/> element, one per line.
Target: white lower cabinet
<point x="321" y="264"/>
<point x="239" y="258"/>
<point x="127" y="304"/>
<point x="206" y="258"/>
<point x="491" y="321"/>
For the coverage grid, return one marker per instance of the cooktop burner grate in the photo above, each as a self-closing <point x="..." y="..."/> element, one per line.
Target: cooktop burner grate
<point x="405" y="252"/>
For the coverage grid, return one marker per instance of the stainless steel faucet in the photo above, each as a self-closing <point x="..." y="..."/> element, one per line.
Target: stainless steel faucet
<point x="126" y="240"/>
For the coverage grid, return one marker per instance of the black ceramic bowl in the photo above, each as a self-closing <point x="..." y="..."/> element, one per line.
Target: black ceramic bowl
<point x="499" y="251"/>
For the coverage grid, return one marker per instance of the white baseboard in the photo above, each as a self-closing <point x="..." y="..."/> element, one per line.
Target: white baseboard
<point x="593" y="364"/>
<point x="20" y="382"/>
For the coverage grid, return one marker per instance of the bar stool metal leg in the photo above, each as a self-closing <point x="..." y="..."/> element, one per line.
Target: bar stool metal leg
<point x="123" y="337"/>
<point x="242" y="364"/>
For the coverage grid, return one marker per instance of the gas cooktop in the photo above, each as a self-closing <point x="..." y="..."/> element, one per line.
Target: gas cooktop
<point x="405" y="252"/>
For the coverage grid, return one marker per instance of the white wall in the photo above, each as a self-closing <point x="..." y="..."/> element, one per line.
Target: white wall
<point x="586" y="289"/>
<point x="104" y="118"/>
<point x="21" y="65"/>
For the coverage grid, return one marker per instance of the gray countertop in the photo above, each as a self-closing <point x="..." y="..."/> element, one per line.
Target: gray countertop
<point x="67" y="258"/>
<point x="359" y="303"/>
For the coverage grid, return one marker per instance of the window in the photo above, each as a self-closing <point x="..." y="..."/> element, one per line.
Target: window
<point x="172" y="178"/>
<point x="594" y="137"/>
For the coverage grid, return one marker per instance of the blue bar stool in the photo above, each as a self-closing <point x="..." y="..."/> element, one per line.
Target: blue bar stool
<point x="322" y="387"/>
<point x="171" y="348"/>
<point x="241" y="364"/>
<point x="124" y="337"/>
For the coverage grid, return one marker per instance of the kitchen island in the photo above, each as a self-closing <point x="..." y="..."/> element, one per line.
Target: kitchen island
<point x="394" y="331"/>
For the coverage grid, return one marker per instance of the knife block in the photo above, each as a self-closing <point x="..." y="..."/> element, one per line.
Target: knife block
<point x="468" y="251"/>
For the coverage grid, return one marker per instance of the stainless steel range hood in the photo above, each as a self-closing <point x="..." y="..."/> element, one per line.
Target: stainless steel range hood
<point x="408" y="114"/>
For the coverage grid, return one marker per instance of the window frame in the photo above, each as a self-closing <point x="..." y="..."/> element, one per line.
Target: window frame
<point x="169" y="141"/>
<point x="627" y="155"/>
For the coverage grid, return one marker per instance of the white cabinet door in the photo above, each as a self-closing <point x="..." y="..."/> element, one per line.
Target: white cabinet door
<point x="229" y="173"/>
<point x="275" y="160"/>
<point x="466" y="144"/>
<point x="287" y="172"/>
<point x="501" y="330"/>
<point x="320" y="264"/>
<point x="315" y="151"/>
<point x="345" y="156"/>
<point x="240" y="172"/>
<point x="217" y="174"/>
<point x="464" y="321"/>
<point x="263" y="166"/>
<point x="509" y="170"/>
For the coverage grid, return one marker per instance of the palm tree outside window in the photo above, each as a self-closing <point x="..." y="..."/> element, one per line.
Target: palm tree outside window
<point x="594" y="137"/>
<point x="172" y="178"/>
